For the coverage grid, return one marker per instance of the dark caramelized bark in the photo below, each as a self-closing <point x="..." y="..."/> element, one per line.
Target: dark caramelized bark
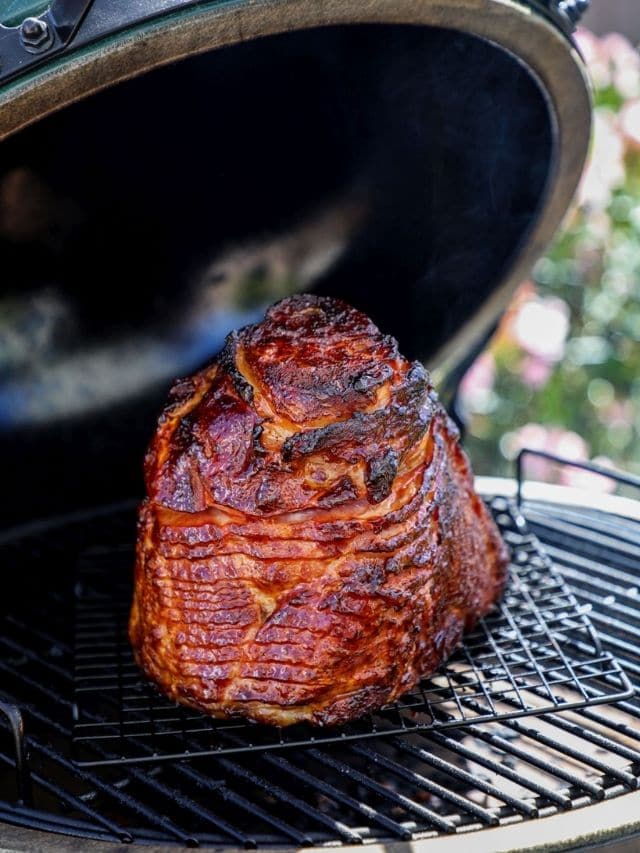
<point x="311" y="544"/>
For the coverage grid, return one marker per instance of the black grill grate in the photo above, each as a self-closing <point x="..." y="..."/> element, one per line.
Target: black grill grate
<point x="417" y="786"/>
<point x="536" y="652"/>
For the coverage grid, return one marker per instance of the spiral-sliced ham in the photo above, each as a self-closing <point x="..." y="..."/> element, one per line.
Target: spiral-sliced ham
<point x="311" y="544"/>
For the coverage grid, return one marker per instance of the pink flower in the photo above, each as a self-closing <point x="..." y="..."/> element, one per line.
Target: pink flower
<point x="624" y="64"/>
<point x="605" y="170"/>
<point x="630" y="122"/>
<point x="611" y="60"/>
<point x="541" y="326"/>
<point x="568" y="445"/>
<point x="476" y="387"/>
<point x="535" y="371"/>
<point x="532" y="436"/>
<point x="565" y="444"/>
<point x="589" y="481"/>
<point x="617" y="413"/>
<point x="596" y="59"/>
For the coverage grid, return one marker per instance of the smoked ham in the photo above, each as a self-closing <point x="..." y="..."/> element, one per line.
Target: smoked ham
<point x="311" y="544"/>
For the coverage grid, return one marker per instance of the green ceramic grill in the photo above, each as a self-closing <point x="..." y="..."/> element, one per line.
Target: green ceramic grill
<point x="167" y="169"/>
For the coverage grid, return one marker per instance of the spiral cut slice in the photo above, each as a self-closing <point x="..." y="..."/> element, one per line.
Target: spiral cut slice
<point x="311" y="544"/>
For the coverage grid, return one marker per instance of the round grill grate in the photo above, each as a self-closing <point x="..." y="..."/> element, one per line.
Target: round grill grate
<point x="414" y="786"/>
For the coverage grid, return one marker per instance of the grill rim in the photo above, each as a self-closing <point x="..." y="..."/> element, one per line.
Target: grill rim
<point x="598" y="825"/>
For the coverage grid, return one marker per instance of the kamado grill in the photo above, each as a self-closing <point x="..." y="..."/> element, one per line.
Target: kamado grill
<point x="168" y="169"/>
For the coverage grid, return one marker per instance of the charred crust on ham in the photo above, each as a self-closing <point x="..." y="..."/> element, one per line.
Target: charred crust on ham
<point x="228" y="364"/>
<point x="311" y="544"/>
<point x="381" y="472"/>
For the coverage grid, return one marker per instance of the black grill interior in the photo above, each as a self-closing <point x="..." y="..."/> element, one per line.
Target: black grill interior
<point x="397" y="167"/>
<point x="413" y="786"/>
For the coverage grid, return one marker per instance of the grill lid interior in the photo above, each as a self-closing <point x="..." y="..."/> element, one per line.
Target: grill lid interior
<point x="413" y="159"/>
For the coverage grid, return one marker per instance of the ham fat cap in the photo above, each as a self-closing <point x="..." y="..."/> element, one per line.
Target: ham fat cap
<point x="311" y="544"/>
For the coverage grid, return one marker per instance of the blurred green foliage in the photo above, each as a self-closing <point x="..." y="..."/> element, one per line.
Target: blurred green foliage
<point x="563" y="371"/>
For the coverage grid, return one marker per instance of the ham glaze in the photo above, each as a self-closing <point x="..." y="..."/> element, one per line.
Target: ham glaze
<point x="311" y="544"/>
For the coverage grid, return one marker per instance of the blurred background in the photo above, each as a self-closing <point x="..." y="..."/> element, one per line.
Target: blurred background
<point x="609" y="16"/>
<point x="563" y="371"/>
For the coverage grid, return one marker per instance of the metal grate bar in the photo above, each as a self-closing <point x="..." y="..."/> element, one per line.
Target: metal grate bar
<point x="624" y="551"/>
<point x="117" y="833"/>
<point x="615" y="725"/>
<point x="503" y="770"/>
<point x="443" y="823"/>
<point x="473" y="782"/>
<point x="587" y="519"/>
<point x="504" y="664"/>
<point x="35" y="631"/>
<point x="114" y="791"/>
<point x="588" y="760"/>
<point x="626" y="651"/>
<point x="562" y="529"/>
<point x="202" y="813"/>
<point x="19" y="648"/>
<point x="186" y="803"/>
<point x="588" y="571"/>
<point x="339" y="796"/>
<point x="477" y="677"/>
<point x="583" y="586"/>
<point x="117" y="794"/>
<point x="593" y="737"/>
<point x="618" y="625"/>
<point x="536" y="761"/>
<point x="283" y="795"/>
<point x="621" y="609"/>
<point x="48" y="822"/>
<point x="221" y="790"/>
<point x="203" y="782"/>
<point x="15" y="721"/>
<point x="288" y="799"/>
<point x="420" y="781"/>
<point x="33" y="682"/>
<point x="35" y="685"/>
<point x="254" y="810"/>
<point x="195" y="809"/>
<point x="559" y="722"/>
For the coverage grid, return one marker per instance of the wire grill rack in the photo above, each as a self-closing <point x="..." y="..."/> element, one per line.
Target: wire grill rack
<point x="536" y="652"/>
<point x="425" y="786"/>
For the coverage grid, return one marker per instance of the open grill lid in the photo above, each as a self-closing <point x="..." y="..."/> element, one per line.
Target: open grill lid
<point x="170" y="168"/>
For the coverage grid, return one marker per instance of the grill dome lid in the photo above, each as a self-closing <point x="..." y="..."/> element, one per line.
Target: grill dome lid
<point x="168" y="168"/>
